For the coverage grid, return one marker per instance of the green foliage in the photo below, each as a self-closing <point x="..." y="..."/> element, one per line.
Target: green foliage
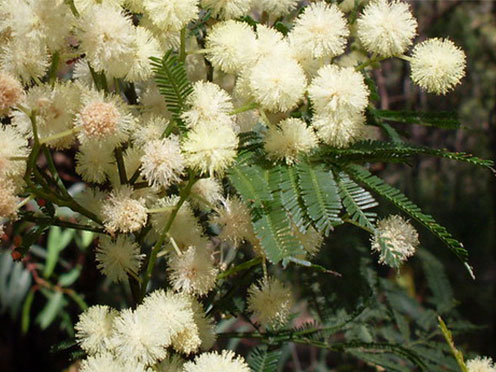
<point x="443" y="119"/>
<point x="172" y="82"/>
<point x="363" y="176"/>
<point x="262" y="359"/>
<point x="15" y="282"/>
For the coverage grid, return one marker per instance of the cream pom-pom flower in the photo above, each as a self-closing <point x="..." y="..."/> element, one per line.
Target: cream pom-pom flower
<point x="386" y="27"/>
<point x="145" y="46"/>
<point x="227" y="9"/>
<point x="230" y="46"/>
<point x="11" y="92"/>
<point x="116" y="259"/>
<point x="12" y="145"/>
<point x="321" y="31"/>
<point x="152" y="129"/>
<point x="193" y="272"/>
<point x="205" y="324"/>
<point x="122" y="212"/>
<point x="339" y="89"/>
<point x="187" y="341"/>
<point x="277" y="84"/>
<point x="171" y="15"/>
<point x="215" y="362"/>
<point x="105" y="120"/>
<point x="210" y="149"/>
<point x="276" y="8"/>
<point x="208" y="105"/>
<point x="94" y="162"/>
<point x="55" y="109"/>
<point x="234" y="220"/>
<point x="271" y="43"/>
<point x="162" y="163"/>
<point x="290" y="139"/>
<point x="437" y="65"/>
<point x="270" y="301"/>
<point x="94" y="329"/>
<point x="139" y="336"/>
<point x="185" y="229"/>
<point x="104" y="362"/>
<point x="108" y="38"/>
<point x="206" y="192"/>
<point x="83" y="5"/>
<point x="481" y="364"/>
<point x="395" y="240"/>
<point x="8" y="199"/>
<point x="340" y="129"/>
<point x="24" y="58"/>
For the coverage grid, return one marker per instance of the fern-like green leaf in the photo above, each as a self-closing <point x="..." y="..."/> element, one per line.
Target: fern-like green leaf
<point x="263" y="360"/>
<point x="291" y="197"/>
<point x="356" y="200"/>
<point x="442" y="119"/>
<point x="172" y="82"/>
<point x="270" y="221"/>
<point x="367" y="151"/>
<point x="361" y="175"/>
<point x="320" y="195"/>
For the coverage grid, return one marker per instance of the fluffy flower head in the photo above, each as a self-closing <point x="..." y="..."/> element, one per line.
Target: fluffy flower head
<point x="277" y="85"/>
<point x="340" y="129"/>
<point x="215" y="362"/>
<point x="206" y="191"/>
<point x="210" y="149"/>
<point x="94" y="329"/>
<point x="193" y="272"/>
<point x="228" y="9"/>
<point x="270" y="301"/>
<point x="276" y="8"/>
<point x="94" y="162"/>
<point x="208" y="104"/>
<point x="386" y="27"/>
<point x="171" y="15"/>
<point x="338" y="89"/>
<point x="124" y="213"/>
<point x="11" y="92"/>
<point x="321" y="31"/>
<point x="399" y="240"/>
<point x="162" y="162"/>
<point x="437" y="65"/>
<point x="12" y="144"/>
<point x="118" y="258"/>
<point x="291" y="139"/>
<point x="481" y="364"/>
<point x="8" y="198"/>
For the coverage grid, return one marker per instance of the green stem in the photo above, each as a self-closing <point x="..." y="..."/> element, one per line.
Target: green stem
<point x="66" y="224"/>
<point x="53" y="171"/>
<point x="158" y="245"/>
<point x="169" y="129"/>
<point x="56" y="136"/>
<point x="120" y="165"/>
<point x="369" y="62"/>
<point x="244" y="108"/>
<point x="52" y="72"/>
<point x="182" y="50"/>
<point x="236" y="269"/>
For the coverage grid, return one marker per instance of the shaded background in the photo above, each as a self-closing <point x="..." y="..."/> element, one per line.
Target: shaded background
<point x="459" y="196"/>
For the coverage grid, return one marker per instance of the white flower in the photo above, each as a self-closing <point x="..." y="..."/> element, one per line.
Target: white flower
<point x="55" y="109"/>
<point x="290" y="139"/>
<point x="271" y="43"/>
<point x="235" y="221"/>
<point x="162" y="162"/>
<point x="321" y="31"/>
<point x="139" y="336"/>
<point x="193" y="272"/>
<point x="340" y="129"/>
<point x="206" y="192"/>
<point x="481" y="364"/>
<point x="171" y="15"/>
<point x="395" y="240"/>
<point x="11" y="92"/>
<point x="105" y="120"/>
<point x="206" y="326"/>
<point x="116" y="259"/>
<point x="437" y="65"/>
<point x="230" y="46"/>
<point x="83" y="5"/>
<point x="122" y="212"/>
<point x="12" y="144"/>
<point x="105" y="362"/>
<point x="270" y="301"/>
<point x="338" y="89"/>
<point x="24" y="58"/>
<point x="94" y="162"/>
<point x="145" y="46"/>
<point x="210" y="149"/>
<point x="276" y="8"/>
<point x="108" y="39"/>
<point x="185" y="230"/>
<point x="187" y="341"/>
<point x="277" y="84"/>
<point x="94" y="329"/>
<point x="386" y="27"/>
<point x="208" y="105"/>
<point x="227" y="9"/>
<point x="215" y="362"/>
<point x="152" y="130"/>
<point x="8" y="199"/>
